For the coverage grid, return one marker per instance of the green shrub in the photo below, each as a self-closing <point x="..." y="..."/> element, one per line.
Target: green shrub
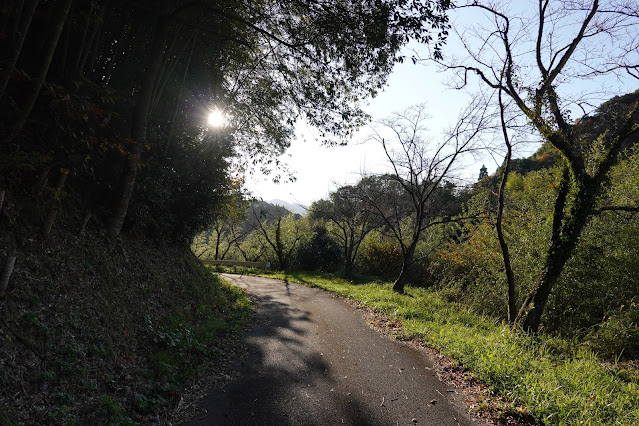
<point x="380" y="257"/>
<point x="618" y="334"/>
<point x="320" y="253"/>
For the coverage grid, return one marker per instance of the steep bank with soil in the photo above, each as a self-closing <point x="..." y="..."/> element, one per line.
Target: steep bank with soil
<point x="92" y="333"/>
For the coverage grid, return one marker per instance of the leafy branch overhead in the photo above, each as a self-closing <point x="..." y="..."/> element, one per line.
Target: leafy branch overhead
<point x="143" y="75"/>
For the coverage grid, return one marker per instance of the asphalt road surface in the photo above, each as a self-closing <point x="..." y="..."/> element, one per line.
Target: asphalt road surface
<point x="313" y="360"/>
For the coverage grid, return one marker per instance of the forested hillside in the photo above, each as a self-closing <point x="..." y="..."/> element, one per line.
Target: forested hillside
<point x="125" y="128"/>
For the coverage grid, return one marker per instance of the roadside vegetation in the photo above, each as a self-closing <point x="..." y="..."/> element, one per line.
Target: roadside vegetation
<point x="578" y="366"/>
<point x="555" y="380"/>
<point x="95" y="334"/>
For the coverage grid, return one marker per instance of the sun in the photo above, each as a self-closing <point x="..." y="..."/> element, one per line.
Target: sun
<point x="216" y="118"/>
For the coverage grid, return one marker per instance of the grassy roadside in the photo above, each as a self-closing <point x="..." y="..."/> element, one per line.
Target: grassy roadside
<point x="557" y="382"/>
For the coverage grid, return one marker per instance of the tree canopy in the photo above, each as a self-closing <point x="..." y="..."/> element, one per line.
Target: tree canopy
<point x="118" y="92"/>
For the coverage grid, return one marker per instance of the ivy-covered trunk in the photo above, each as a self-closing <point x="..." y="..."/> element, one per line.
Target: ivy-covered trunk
<point x="568" y="223"/>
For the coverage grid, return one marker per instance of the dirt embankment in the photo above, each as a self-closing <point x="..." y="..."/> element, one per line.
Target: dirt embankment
<point x="95" y="333"/>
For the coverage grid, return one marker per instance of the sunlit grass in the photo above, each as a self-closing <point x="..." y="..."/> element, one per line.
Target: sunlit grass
<point x="557" y="381"/>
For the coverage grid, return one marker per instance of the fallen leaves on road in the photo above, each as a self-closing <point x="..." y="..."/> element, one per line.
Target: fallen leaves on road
<point x="481" y="402"/>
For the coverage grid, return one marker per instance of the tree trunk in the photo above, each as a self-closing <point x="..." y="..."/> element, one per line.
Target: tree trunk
<point x="10" y="65"/>
<point x="6" y="272"/>
<point x="138" y="130"/>
<point x="83" y="44"/>
<point x="400" y="282"/>
<point x="549" y="276"/>
<point x="217" y="244"/>
<point x="279" y="249"/>
<point x="565" y="236"/>
<point x="63" y="51"/>
<point x="510" y="276"/>
<point x="94" y="40"/>
<point x="179" y="101"/>
<point x="38" y="81"/>
<point x="48" y="223"/>
<point x="348" y="270"/>
<point x="505" y="253"/>
<point x="166" y="69"/>
<point x="349" y="260"/>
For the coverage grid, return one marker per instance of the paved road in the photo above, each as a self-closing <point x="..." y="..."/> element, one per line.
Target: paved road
<point x="313" y="360"/>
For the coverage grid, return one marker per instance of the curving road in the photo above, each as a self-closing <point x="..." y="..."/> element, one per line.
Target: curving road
<point x="313" y="360"/>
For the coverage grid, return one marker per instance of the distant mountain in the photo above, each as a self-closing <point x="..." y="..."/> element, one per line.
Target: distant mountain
<point x="293" y="208"/>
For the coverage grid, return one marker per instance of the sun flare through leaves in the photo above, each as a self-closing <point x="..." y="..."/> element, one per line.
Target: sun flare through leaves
<point x="216" y="118"/>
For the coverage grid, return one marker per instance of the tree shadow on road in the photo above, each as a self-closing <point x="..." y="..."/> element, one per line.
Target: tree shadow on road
<point x="281" y="380"/>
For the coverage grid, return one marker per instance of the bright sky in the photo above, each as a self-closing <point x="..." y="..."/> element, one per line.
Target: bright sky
<point x="320" y="170"/>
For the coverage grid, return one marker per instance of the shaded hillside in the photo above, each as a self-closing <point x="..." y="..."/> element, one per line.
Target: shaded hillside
<point x="590" y="127"/>
<point x="92" y="333"/>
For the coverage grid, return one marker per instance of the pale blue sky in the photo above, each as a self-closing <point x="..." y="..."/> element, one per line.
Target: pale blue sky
<point x="320" y="170"/>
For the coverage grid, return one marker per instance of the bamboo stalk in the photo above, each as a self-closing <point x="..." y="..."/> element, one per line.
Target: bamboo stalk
<point x="6" y="272"/>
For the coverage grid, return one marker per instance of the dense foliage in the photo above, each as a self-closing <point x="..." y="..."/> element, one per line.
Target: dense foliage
<point x="110" y="98"/>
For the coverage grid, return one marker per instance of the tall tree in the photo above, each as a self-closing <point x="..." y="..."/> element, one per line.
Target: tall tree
<point x="59" y="18"/>
<point x="23" y="21"/>
<point x="572" y="42"/>
<point x="419" y="170"/>
<point x="139" y="127"/>
<point x="505" y="252"/>
<point x="352" y="220"/>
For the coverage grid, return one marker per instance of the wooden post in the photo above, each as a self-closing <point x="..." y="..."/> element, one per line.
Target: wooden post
<point x="48" y="223"/>
<point x="6" y="272"/>
<point x="85" y="221"/>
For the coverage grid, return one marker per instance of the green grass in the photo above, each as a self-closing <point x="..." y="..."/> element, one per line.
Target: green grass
<point x="557" y="381"/>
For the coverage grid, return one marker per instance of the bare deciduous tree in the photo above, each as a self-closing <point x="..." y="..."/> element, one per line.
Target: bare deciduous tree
<point x="531" y="58"/>
<point x="419" y="169"/>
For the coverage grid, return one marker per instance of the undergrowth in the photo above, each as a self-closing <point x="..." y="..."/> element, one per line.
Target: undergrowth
<point x="92" y="333"/>
<point x="557" y="381"/>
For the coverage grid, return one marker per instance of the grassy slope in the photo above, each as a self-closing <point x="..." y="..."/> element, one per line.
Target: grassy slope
<point x="556" y="382"/>
<point x="92" y="335"/>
